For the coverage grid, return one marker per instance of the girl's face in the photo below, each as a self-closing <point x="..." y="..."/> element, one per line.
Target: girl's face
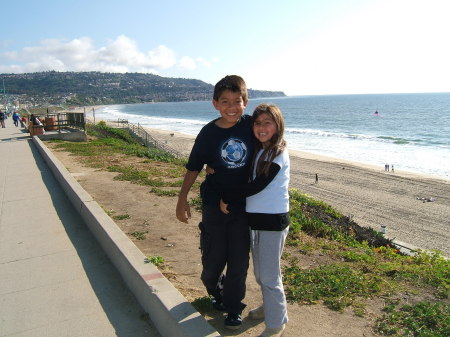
<point x="264" y="128"/>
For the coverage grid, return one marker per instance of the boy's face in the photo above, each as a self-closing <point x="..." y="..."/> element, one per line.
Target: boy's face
<point x="231" y="107"/>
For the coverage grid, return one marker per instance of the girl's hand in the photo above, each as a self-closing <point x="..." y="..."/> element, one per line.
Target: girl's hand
<point x="209" y="170"/>
<point x="224" y="207"/>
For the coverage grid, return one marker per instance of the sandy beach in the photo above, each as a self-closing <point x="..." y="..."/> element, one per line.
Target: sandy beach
<point x="368" y="194"/>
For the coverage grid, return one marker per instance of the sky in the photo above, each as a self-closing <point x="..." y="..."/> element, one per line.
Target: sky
<point x="300" y="47"/>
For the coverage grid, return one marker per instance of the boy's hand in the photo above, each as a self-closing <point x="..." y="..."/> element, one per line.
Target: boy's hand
<point x="209" y="170"/>
<point x="224" y="207"/>
<point x="183" y="211"/>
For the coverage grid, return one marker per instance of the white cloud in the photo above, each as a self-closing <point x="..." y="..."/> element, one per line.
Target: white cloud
<point x="204" y="62"/>
<point x="188" y="63"/>
<point x="119" y="55"/>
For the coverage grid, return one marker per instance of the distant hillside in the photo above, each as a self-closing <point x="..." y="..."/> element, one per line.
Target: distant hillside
<point x="93" y="88"/>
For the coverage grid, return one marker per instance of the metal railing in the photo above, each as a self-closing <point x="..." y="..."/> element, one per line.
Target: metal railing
<point x="140" y="134"/>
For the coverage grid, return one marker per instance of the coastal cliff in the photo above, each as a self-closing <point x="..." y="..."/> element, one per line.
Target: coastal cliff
<point x="96" y="88"/>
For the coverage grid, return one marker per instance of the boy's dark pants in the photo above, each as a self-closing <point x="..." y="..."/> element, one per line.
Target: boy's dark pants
<point x="225" y="241"/>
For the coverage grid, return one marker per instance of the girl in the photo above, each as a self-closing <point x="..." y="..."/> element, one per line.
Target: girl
<point x="267" y="208"/>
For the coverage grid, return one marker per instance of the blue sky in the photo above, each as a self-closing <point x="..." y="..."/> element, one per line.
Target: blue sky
<point x="301" y="47"/>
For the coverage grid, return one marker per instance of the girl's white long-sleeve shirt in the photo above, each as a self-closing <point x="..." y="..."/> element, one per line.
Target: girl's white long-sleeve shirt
<point x="274" y="198"/>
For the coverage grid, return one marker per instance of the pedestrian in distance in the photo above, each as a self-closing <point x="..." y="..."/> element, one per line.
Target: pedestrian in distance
<point x="2" y="119"/>
<point x="16" y="118"/>
<point x="35" y="120"/>
<point x="226" y="144"/>
<point x="23" y="122"/>
<point x="267" y="207"/>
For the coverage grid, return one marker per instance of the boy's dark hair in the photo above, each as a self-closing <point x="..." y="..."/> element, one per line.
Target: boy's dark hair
<point x="233" y="83"/>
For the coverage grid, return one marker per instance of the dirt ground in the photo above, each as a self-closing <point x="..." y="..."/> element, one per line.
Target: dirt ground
<point x="178" y="244"/>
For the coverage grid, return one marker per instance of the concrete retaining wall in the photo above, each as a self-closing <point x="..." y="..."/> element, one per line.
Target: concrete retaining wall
<point x="169" y="311"/>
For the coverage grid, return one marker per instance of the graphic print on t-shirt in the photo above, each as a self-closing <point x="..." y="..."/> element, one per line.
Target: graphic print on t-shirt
<point x="234" y="153"/>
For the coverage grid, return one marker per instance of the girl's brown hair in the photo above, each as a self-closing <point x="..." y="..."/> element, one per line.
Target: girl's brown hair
<point x="276" y="144"/>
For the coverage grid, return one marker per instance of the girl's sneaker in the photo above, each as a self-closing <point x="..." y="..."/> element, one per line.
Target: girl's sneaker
<point x="273" y="332"/>
<point x="257" y="313"/>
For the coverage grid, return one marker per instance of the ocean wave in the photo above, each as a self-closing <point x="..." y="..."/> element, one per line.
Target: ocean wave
<point x="147" y="120"/>
<point x="365" y="137"/>
<point x="339" y="135"/>
<point x="314" y="132"/>
<point x="397" y="140"/>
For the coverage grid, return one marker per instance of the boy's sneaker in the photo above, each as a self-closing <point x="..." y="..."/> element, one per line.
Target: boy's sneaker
<point x="233" y="321"/>
<point x="273" y="332"/>
<point x="257" y="313"/>
<point x="218" y="304"/>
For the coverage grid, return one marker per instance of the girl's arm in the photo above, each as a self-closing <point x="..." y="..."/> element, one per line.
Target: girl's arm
<point x="253" y="187"/>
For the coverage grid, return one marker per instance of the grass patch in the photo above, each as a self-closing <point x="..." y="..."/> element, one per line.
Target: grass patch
<point x="156" y="260"/>
<point x="121" y="217"/>
<point x="196" y="203"/>
<point x="142" y="177"/>
<point x="421" y="269"/>
<point x="423" y="319"/>
<point x="138" y="235"/>
<point x="163" y="193"/>
<point x="110" y="212"/>
<point x="337" y="285"/>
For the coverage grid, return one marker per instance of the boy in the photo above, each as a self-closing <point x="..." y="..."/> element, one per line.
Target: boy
<point x="225" y="144"/>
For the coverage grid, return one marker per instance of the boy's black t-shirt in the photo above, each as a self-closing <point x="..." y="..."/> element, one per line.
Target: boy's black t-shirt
<point x="229" y="152"/>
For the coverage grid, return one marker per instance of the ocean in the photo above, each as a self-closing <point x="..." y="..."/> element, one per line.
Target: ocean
<point x="410" y="131"/>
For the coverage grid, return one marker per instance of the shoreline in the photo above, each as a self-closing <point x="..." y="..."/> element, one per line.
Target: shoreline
<point x="176" y="141"/>
<point x="89" y="115"/>
<point x="366" y="193"/>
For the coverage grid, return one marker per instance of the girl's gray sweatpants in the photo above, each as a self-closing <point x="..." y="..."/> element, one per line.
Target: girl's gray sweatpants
<point x="267" y="247"/>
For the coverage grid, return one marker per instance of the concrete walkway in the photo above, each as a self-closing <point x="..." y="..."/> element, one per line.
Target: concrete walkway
<point x="55" y="279"/>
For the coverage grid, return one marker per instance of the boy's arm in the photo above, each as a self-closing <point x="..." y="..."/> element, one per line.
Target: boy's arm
<point x="183" y="211"/>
